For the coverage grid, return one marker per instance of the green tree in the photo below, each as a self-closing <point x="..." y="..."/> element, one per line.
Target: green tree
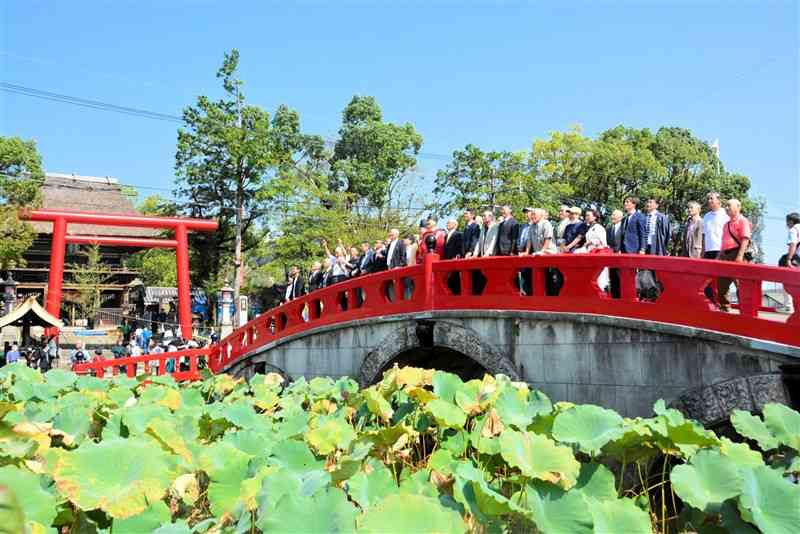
<point x="21" y="177"/>
<point x="89" y="277"/>
<point x="156" y="266"/>
<point x="371" y="156"/>
<point x="226" y="155"/>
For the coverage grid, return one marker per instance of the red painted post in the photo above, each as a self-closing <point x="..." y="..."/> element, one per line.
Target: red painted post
<point x="428" y="283"/>
<point x="184" y="294"/>
<point x="56" y="276"/>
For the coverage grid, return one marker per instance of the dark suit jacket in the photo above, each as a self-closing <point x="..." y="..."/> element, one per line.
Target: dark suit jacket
<point x="507" y="235"/>
<point x="365" y="263"/>
<point x="378" y="263"/>
<point x="398" y="258"/>
<point x="634" y="237"/>
<point x="327" y="278"/>
<point x="472" y="233"/>
<point x="298" y="288"/>
<point x="315" y="281"/>
<point x="660" y="245"/>
<point x="614" y="239"/>
<point x="454" y="247"/>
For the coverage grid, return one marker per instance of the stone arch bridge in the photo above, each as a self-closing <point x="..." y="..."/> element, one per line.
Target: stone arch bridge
<point x="581" y="345"/>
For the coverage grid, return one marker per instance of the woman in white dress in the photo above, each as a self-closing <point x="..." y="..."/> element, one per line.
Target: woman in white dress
<point x="595" y="239"/>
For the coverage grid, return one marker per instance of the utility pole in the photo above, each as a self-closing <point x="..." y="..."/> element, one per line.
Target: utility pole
<point x="238" y="280"/>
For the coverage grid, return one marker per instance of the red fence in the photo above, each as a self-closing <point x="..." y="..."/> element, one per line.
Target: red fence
<point x="422" y="288"/>
<point x="152" y="363"/>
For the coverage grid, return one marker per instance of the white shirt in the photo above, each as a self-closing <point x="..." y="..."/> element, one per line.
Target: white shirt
<point x="651" y="222"/>
<point x="289" y="287"/>
<point x="389" y="252"/>
<point x="713" y="224"/>
<point x="794" y="235"/>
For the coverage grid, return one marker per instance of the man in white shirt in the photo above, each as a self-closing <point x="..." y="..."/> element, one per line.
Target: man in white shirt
<point x="713" y="224"/>
<point x="396" y="252"/>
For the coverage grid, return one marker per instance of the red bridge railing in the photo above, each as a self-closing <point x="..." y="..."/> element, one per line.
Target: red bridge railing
<point x="150" y="364"/>
<point x="422" y="288"/>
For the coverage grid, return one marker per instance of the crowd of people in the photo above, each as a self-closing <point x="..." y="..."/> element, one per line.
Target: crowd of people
<point x="723" y="233"/>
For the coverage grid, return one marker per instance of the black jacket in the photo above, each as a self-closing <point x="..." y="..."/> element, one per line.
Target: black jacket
<point x="472" y="233"/>
<point x="398" y="258"/>
<point x="454" y="246"/>
<point x="315" y="281"/>
<point x="614" y="239"/>
<point x="507" y="235"/>
<point x="378" y="262"/>
<point x="298" y="288"/>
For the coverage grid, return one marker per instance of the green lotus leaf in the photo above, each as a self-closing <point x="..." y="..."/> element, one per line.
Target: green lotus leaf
<point x="119" y="395"/>
<point x="153" y="517"/>
<point x="555" y="511"/>
<point x="490" y="502"/>
<point x="410" y="514"/>
<point x="349" y="464"/>
<point x="710" y="479"/>
<point x="468" y="397"/>
<point x="166" y="433"/>
<point x="179" y="527"/>
<point x="119" y="476"/>
<point x="446" y="414"/>
<point x="75" y="421"/>
<point x="91" y="383"/>
<point x="12" y="519"/>
<point x="539" y="457"/>
<point x="227" y="468"/>
<point x="330" y="433"/>
<point x="784" y="424"/>
<point x="137" y="417"/>
<point x="752" y="427"/>
<point x="740" y="453"/>
<point x="371" y="484"/>
<point x="689" y="438"/>
<point x="61" y="379"/>
<point x="241" y="414"/>
<point x="377" y="404"/>
<point x="619" y="515"/>
<point x="772" y="501"/>
<point x="588" y="426"/>
<point x="596" y="481"/>
<point x="295" y="456"/>
<point x="418" y="483"/>
<point x="7" y="407"/>
<point x="294" y="423"/>
<point x="36" y="503"/>
<point x="513" y="408"/>
<point x="326" y="511"/>
<point x="252" y="442"/>
<point x="445" y="385"/>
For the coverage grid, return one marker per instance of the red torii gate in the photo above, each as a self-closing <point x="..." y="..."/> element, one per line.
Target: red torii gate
<point x="61" y="218"/>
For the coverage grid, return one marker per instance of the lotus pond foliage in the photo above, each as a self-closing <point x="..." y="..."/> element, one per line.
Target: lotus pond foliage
<point x="421" y="451"/>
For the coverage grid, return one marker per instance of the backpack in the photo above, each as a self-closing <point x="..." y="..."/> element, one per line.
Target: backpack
<point x="752" y="249"/>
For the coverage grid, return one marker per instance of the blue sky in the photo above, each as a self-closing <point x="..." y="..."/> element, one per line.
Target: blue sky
<point x="496" y="74"/>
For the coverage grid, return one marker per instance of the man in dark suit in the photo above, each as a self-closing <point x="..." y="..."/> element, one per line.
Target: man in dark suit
<point x="659" y="230"/>
<point x="367" y="257"/>
<point x="378" y="257"/>
<point x="507" y="234"/>
<point x="472" y="232"/>
<point x="453" y="241"/>
<point x="315" y="278"/>
<point x="294" y="287"/>
<point x="634" y="228"/>
<point x="614" y="231"/>
<point x="395" y="251"/>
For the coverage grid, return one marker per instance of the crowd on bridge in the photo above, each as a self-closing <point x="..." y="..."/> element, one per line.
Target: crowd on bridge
<point x="722" y="233"/>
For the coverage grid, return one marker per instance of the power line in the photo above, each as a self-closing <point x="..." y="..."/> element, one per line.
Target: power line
<point x="98" y="105"/>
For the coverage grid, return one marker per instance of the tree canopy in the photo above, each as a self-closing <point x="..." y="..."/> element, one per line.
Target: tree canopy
<point x="21" y="177"/>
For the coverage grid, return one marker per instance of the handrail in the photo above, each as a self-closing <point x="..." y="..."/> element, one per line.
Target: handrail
<point x="130" y="364"/>
<point x="424" y="288"/>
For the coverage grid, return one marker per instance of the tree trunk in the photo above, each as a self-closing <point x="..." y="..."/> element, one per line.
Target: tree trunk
<point x="237" y="261"/>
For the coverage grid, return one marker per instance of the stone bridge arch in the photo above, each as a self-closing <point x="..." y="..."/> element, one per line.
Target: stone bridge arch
<point x="452" y="337"/>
